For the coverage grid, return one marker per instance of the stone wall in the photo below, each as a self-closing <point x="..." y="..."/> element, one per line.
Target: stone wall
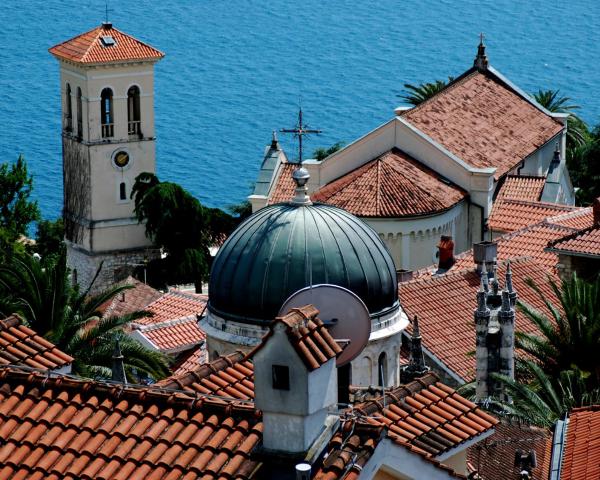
<point x="115" y="266"/>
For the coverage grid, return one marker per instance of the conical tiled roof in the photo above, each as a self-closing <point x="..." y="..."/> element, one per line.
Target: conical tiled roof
<point x="90" y="48"/>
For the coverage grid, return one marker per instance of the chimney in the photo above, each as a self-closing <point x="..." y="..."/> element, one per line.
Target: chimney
<point x="596" y="210"/>
<point x="445" y="253"/>
<point x="485" y="253"/>
<point x="404" y="275"/>
<point x="303" y="471"/>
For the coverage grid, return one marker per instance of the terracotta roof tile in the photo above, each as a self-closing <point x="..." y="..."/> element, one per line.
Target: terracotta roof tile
<point x="231" y="376"/>
<point x="88" y="48"/>
<point x="131" y="300"/>
<point x="445" y="305"/>
<point x="190" y="361"/>
<point x="583" y="242"/>
<point x="284" y="187"/>
<point x="78" y="429"/>
<point x="410" y="420"/>
<point x="309" y="337"/>
<point x="19" y="345"/>
<point x="484" y="122"/>
<point x="173" y="305"/>
<point x="174" y="335"/>
<point x="581" y="455"/>
<point x="493" y="458"/>
<point x="428" y="415"/>
<point x="509" y="215"/>
<point x="577" y="219"/>
<point x="522" y="187"/>
<point x="392" y="185"/>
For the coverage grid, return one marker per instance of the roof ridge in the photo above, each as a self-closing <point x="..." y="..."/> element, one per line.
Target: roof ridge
<point x="572" y="235"/>
<point x="558" y="206"/>
<point x="13" y="320"/>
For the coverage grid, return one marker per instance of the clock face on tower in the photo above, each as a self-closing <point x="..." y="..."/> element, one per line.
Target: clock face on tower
<point x="121" y="159"/>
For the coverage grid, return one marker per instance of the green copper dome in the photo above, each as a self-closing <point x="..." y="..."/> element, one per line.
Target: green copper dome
<point x="285" y="247"/>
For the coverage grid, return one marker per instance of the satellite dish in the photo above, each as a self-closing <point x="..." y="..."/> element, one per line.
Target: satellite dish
<point x="343" y="313"/>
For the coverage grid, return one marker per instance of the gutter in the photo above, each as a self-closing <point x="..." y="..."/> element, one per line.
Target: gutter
<point x="558" y="446"/>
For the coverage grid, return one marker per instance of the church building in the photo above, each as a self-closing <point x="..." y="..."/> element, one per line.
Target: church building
<point x="107" y="84"/>
<point x="435" y="170"/>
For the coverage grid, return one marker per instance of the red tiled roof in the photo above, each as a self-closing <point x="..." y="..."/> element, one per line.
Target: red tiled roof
<point x="175" y="334"/>
<point x="57" y="428"/>
<point x="309" y="337"/>
<point x="132" y="300"/>
<point x="493" y="458"/>
<point x="19" y="345"/>
<point x="174" y="305"/>
<point x="88" y="48"/>
<point x="284" y="187"/>
<point x="445" y="305"/>
<point x="581" y="455"/>
<point x="522" y="187"/>
<point x="427" y="415"/>
<point x="578" y="219"/>
<point x="584" y="242"/>
<point x="190" y="361"/>
<point x="231" y="376"/>
<point x="392" y="185"/>
<point x="484" y="122"/>
<point x="510" y="215"/>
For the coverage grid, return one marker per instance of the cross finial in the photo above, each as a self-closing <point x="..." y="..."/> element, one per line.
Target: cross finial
<point x="106" y="24"/>
<point x="481" y="60"/>
<point x="299" y="131"/>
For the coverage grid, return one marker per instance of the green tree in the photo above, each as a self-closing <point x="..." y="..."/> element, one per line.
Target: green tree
<point x="322" y="153"/>
<point x="180" y="225"/>
<point x="417" y="94"/>
<point x="577" y="130"/>
<point x="570" y="339"/>
<point x="584" y="168"/>
<point x="43" y="297"/>
<point x="17" y="210"/>
<point x="49" y="238"/>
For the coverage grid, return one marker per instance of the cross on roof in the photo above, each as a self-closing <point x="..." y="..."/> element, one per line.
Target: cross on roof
<point x="300" y="131"/>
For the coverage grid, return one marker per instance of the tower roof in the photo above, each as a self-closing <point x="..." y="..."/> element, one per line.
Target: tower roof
<point x="104" y="44"/>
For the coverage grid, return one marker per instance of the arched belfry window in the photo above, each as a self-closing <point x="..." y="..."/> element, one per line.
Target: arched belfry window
<point x="133" y="111"/>
<point x="68" y="109"/>
<point x="79" y="114"/>
<point x="106" y="113"/>
<point x="382" y="370"/>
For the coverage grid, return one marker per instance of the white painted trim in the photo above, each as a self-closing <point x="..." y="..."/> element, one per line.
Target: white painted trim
<point x="140" y="337"/>
<point x="120" y="75"/>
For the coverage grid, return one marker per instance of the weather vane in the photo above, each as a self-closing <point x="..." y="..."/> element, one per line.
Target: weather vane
<point x="299" y="132"/>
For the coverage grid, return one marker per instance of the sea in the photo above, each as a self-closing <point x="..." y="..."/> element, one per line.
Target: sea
<point x="236" y="70"/>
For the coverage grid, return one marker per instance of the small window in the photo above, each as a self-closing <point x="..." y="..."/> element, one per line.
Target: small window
<point x="122" y="191"/>
<point x="79" y="114"/>
<point x="133" y="111"/>
<point x="107" y="41"/>
<point x="382" y="369"/>
<point x="281" y="377"/>
<point x="68" y="110"/>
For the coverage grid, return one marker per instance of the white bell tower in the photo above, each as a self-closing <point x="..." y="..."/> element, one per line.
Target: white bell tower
<point x="107" y="84"/>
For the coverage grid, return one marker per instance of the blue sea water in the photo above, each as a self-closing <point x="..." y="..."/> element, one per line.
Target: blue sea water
<point x="235" y="70"/>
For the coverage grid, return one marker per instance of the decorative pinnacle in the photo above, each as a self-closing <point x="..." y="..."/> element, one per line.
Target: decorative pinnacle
<point x="481" y="298"/>
<point x="416" y="332"/>
<point x="481" y="60"/>
<point x="484" y="279"/>
<point x="274" y="141"/>
<point x="118" y="368"/>
<point x="508" y="285"/>
<point x="506" y="306"/>
<point x="301" y="177"/>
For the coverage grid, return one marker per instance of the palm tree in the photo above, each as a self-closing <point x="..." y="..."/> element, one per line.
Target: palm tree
<point x="543" y="399"/>
<point x="417" y="94"/>
<point x="577" y="131"/>
<point x="42" y="295"/>
<point x="571" y="337"/>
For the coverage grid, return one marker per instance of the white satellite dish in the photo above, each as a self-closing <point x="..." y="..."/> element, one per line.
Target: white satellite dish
<point x="343" y="313"/>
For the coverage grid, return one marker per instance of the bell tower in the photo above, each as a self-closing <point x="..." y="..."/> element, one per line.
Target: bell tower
<point x="107" y="84"/>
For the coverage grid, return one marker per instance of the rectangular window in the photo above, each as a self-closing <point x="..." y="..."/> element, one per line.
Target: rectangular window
<point x="122" y="191"/>
<point x="281" y="377"/>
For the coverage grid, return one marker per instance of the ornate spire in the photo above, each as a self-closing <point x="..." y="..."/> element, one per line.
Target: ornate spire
<point x="301" y="177"/>
<point x="495" y="285"/>
<point x="416" y="366"/>
<point x="118" y="368"/>
<point x="481" y="297"/>
<point x="508" y="285"/>
<point x="481" y="60"/>
<point x="506" y="307"/>
<point x="484" y="279"/>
